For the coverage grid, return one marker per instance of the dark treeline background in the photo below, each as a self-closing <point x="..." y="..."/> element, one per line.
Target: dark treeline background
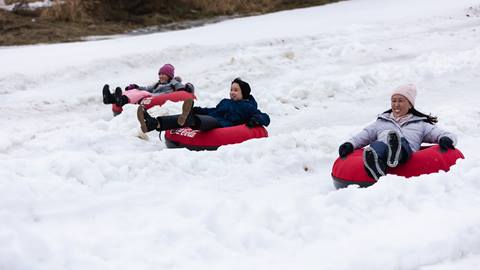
<point x="167" y="10"/>
<point x="70" y="20"/>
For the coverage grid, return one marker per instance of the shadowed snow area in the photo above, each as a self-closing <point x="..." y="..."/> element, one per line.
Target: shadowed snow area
<point x="79" y="190"/>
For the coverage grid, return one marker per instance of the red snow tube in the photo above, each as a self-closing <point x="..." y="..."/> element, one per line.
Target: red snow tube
<point x="159" y="100"/>
<point x="211" y="139"/>
<point x="149" y="101"/>
<point x="427" y="160"/>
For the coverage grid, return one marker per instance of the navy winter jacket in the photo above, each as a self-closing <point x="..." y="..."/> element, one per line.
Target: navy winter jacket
<point x="231" y="113"/>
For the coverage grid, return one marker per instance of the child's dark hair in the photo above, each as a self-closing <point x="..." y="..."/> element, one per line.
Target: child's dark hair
<point x="430" y="118"/>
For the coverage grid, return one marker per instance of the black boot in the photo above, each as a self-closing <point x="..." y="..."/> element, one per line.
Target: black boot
<point x="186" y="112"/>
<point x="147" y="122"/>
<point x="375" y="167"/>
<point x="108" y="98"/>
<point x="120" y="99"/>
<point x="394" y="148"/>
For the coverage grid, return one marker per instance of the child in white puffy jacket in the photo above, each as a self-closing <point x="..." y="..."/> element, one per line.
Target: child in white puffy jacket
<point x="396" y="134"/>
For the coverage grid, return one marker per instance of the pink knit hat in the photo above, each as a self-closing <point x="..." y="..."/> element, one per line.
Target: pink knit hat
<point x="168" y="70"/>
<point x="409" y="91"/>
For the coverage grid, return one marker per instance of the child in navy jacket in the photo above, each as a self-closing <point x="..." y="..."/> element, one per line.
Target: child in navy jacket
<point x="240" y="108"/>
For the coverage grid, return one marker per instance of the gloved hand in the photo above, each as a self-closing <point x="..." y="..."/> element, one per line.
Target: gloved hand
<point x="252" y="123"/>
<point x="345" y="149"/>
<point x="445" y="143"/>
<point x="131" y="86"/>
<point x="189" y="88"/>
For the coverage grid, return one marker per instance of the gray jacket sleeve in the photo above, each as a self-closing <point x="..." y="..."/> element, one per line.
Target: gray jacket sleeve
<point x="365" y="137"/>
<point x="157" y="88"/>
<point x="177" y="85"/>
<point x="433" y="134"/>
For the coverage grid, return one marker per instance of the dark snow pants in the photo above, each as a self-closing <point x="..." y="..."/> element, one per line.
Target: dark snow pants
<point x="381" y="149"/>
<point x="194" y="121"/>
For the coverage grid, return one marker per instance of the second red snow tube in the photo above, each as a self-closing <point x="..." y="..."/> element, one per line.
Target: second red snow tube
<point x="428" y="160"/>
<point x="159" y="100"/>
<point x="148" y="100"/>
<point x="211" y="139"/>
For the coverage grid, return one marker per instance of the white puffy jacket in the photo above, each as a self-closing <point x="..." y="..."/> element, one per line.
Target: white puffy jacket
<point x="415" y="131"/>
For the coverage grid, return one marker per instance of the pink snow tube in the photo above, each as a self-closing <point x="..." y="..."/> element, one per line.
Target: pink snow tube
<point x="135" y="95"/>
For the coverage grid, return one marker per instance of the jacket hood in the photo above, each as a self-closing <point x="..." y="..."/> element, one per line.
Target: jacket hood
<point x="386" y="116"/>
<point x="251" y="100"/>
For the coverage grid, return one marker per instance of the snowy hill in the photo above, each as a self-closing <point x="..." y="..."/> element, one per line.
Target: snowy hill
<point x="78" y="190"/>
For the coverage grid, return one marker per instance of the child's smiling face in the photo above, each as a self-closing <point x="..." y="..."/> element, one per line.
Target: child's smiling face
<point x="163" y="78"/>
<point x="400" y="105"/>
<point x="236" y="92"/>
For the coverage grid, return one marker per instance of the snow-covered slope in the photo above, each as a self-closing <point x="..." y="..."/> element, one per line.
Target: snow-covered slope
<point x="78" y="190"/>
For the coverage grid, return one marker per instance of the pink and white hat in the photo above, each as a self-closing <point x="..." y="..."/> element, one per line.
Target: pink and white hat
<point x="408" y="90"/>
